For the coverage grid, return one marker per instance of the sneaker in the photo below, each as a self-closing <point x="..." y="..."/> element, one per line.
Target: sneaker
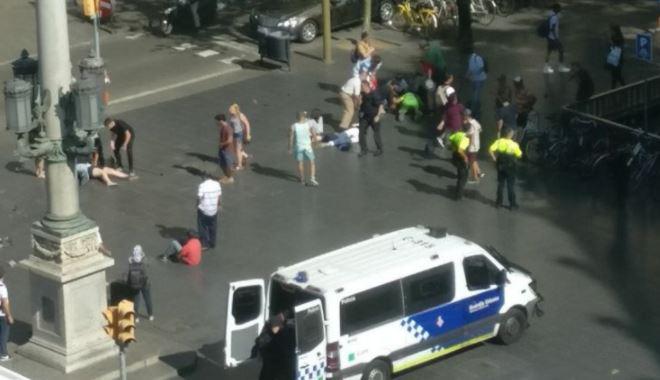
<point x="378" y="153"/>
<point x="313" y="183"/>
<point x="441" y="143"/>
<point x="137" y="320"/>
<point x="4" y="358"/>
<point x="482" y="175"/>
<point x="151" y="318"/>
<point x="472" y="182"/>
<point x="362" y="153"/>
<point x="163" y="258"/>
<point x="547" y="69"/>
<point x="564" y="69"/>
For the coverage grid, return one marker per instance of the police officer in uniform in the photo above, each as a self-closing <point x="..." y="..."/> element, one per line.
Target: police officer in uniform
<point x="505" y="152"/>
<point x="459" y="142"/>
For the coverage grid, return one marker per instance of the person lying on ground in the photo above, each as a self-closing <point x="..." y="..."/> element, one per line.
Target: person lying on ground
<point x="85" y="172"/>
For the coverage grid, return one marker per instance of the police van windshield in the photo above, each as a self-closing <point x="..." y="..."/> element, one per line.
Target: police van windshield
<point x="284" y="297"/>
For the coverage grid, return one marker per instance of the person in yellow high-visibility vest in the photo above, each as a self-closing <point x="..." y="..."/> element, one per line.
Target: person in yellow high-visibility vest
<point x="459" y="142"/>
<point x="505" y="152"/>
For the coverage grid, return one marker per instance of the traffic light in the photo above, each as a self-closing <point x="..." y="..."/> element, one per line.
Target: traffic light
<point x="90" y="7"/>
<point x="110" y="315"/>
<point x="125" y="322"/>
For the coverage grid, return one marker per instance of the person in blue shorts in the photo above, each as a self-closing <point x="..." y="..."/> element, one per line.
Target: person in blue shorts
<point x="225" y="148"/>
<point x="301" y="135"/>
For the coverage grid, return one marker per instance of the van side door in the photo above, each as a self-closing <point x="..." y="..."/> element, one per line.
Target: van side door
<point x="484" y="298"/>
<point x="245" y="319"/>
<point x="310" y="341"/>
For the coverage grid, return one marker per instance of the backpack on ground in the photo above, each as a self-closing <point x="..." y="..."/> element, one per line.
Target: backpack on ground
<point x="137" y="277"/>
<point x="543" y="30"/>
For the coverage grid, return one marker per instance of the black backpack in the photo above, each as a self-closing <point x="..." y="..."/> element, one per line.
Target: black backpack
<point x="543" y="30"/>
<point x="137" y="277"/>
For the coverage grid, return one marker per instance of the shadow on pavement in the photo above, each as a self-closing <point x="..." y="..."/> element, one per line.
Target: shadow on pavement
<point x="18" y="167"/>
<point x="273" y="172"/>
<point x="417" y="154"/>
<point x="175" y="233"/>
<point x="435" y="170"/>
<point x="202" y="157"/>
<point x="20" y="332"/>
<point x="331" y="87"/>
<point x="192" y="170"/>
<point x="410" y="132"/>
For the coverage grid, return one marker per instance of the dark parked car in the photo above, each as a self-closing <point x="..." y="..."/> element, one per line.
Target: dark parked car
<point x="303" y="18"/>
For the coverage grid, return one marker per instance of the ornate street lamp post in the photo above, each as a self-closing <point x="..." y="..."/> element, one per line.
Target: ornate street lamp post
<point x="66" y="269"/>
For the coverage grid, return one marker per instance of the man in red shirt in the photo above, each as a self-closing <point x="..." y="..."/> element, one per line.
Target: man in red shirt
<point x="190" y="253"/>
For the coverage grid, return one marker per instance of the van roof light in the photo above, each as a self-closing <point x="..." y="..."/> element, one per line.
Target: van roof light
<point x="301" y="276"/>
<point x="437" y="232"/>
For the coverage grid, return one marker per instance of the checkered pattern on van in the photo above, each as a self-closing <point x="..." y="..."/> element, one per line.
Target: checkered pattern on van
<point x="312" y="373"/>
<point x="415" y="329"/>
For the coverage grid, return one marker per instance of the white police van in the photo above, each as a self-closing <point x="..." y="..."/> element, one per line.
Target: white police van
<point x="384" y="305"/>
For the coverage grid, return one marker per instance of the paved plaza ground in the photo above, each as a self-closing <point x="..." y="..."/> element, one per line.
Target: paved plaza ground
<point x="595" y="262"/>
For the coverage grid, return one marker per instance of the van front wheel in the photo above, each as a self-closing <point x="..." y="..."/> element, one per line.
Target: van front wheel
<point x="512" y="326"/>
<point x="377" y="370"/>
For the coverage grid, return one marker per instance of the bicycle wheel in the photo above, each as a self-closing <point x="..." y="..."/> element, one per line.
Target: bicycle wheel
<point x="399" y="21"/>
<point x="505" y="7"/>
<point x="484" y="11"/>
<point x="429" y="24"/>
<point x="533" y="151"/>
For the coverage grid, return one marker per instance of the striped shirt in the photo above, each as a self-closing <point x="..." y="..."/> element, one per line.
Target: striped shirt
<point x="208" y="194"/>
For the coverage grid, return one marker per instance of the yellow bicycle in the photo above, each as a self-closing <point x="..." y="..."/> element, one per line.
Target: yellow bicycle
<point x="419" y="16"/>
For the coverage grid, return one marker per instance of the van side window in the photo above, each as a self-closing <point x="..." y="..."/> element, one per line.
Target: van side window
<point x="480" y="273"/>
<point x="371" y="307"/>
<point x="309" y="329"/>
<point x="429" y="289"/>
<point x="247" y="304"/>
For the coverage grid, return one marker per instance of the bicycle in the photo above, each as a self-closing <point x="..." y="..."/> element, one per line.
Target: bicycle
<point x="423" y="17"/>
<point x="447" y="12"/>
<point x="483" y="11"/>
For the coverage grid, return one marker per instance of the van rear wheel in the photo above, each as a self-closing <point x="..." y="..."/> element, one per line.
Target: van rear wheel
<point x="512" y="326"/>
<point x="377" y="370"/>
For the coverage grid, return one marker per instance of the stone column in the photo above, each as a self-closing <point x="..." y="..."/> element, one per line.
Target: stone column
<point x="66" y="269"/>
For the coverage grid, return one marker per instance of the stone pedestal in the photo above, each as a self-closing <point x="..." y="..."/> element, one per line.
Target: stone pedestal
<point x="68" y="293"/>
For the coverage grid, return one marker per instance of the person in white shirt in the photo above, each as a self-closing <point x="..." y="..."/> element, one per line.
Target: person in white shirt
<point x="473" y="132"/>
<point x="6" y="317"/>
<point x="350" y="99"/>
<point x="554" y="43"/>
<point x="208" y="203"/>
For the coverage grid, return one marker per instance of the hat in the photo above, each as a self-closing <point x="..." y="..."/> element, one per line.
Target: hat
<point x="450" y="91"/>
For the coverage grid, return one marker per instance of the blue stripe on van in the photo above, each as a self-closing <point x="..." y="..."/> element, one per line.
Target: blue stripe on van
<point x="443" y="319"/>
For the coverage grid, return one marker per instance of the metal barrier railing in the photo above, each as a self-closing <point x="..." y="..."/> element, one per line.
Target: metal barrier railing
<point x="608" y="107"/>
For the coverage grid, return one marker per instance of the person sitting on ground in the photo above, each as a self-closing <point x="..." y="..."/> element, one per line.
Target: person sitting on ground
<point x="395" y="88"/>
<point x="342" y="140"/>
<point x="406" y="103"/>
<point x="316" y="123"/>
<point x="85" y="172"/>
<point x="190" y="253"/>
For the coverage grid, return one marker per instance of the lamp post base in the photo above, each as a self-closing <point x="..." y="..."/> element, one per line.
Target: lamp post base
<point x="67" y="295"/>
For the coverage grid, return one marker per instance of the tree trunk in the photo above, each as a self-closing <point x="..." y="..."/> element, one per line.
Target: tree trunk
<point x="464" y="23"/>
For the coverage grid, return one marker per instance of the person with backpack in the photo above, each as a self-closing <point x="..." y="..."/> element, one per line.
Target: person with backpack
<point x="138" y="281"/>
<point x="477" y="73"/>
<point x="549" y="29"/>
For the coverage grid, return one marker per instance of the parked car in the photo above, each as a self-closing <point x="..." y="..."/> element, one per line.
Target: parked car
<point x="303" y="19"/>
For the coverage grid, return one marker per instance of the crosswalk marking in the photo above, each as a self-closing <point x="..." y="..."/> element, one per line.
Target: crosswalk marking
<point x="207" y="53"/>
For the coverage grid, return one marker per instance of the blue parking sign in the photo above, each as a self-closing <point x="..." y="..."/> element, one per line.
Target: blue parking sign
<point x="644" y="47"/>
